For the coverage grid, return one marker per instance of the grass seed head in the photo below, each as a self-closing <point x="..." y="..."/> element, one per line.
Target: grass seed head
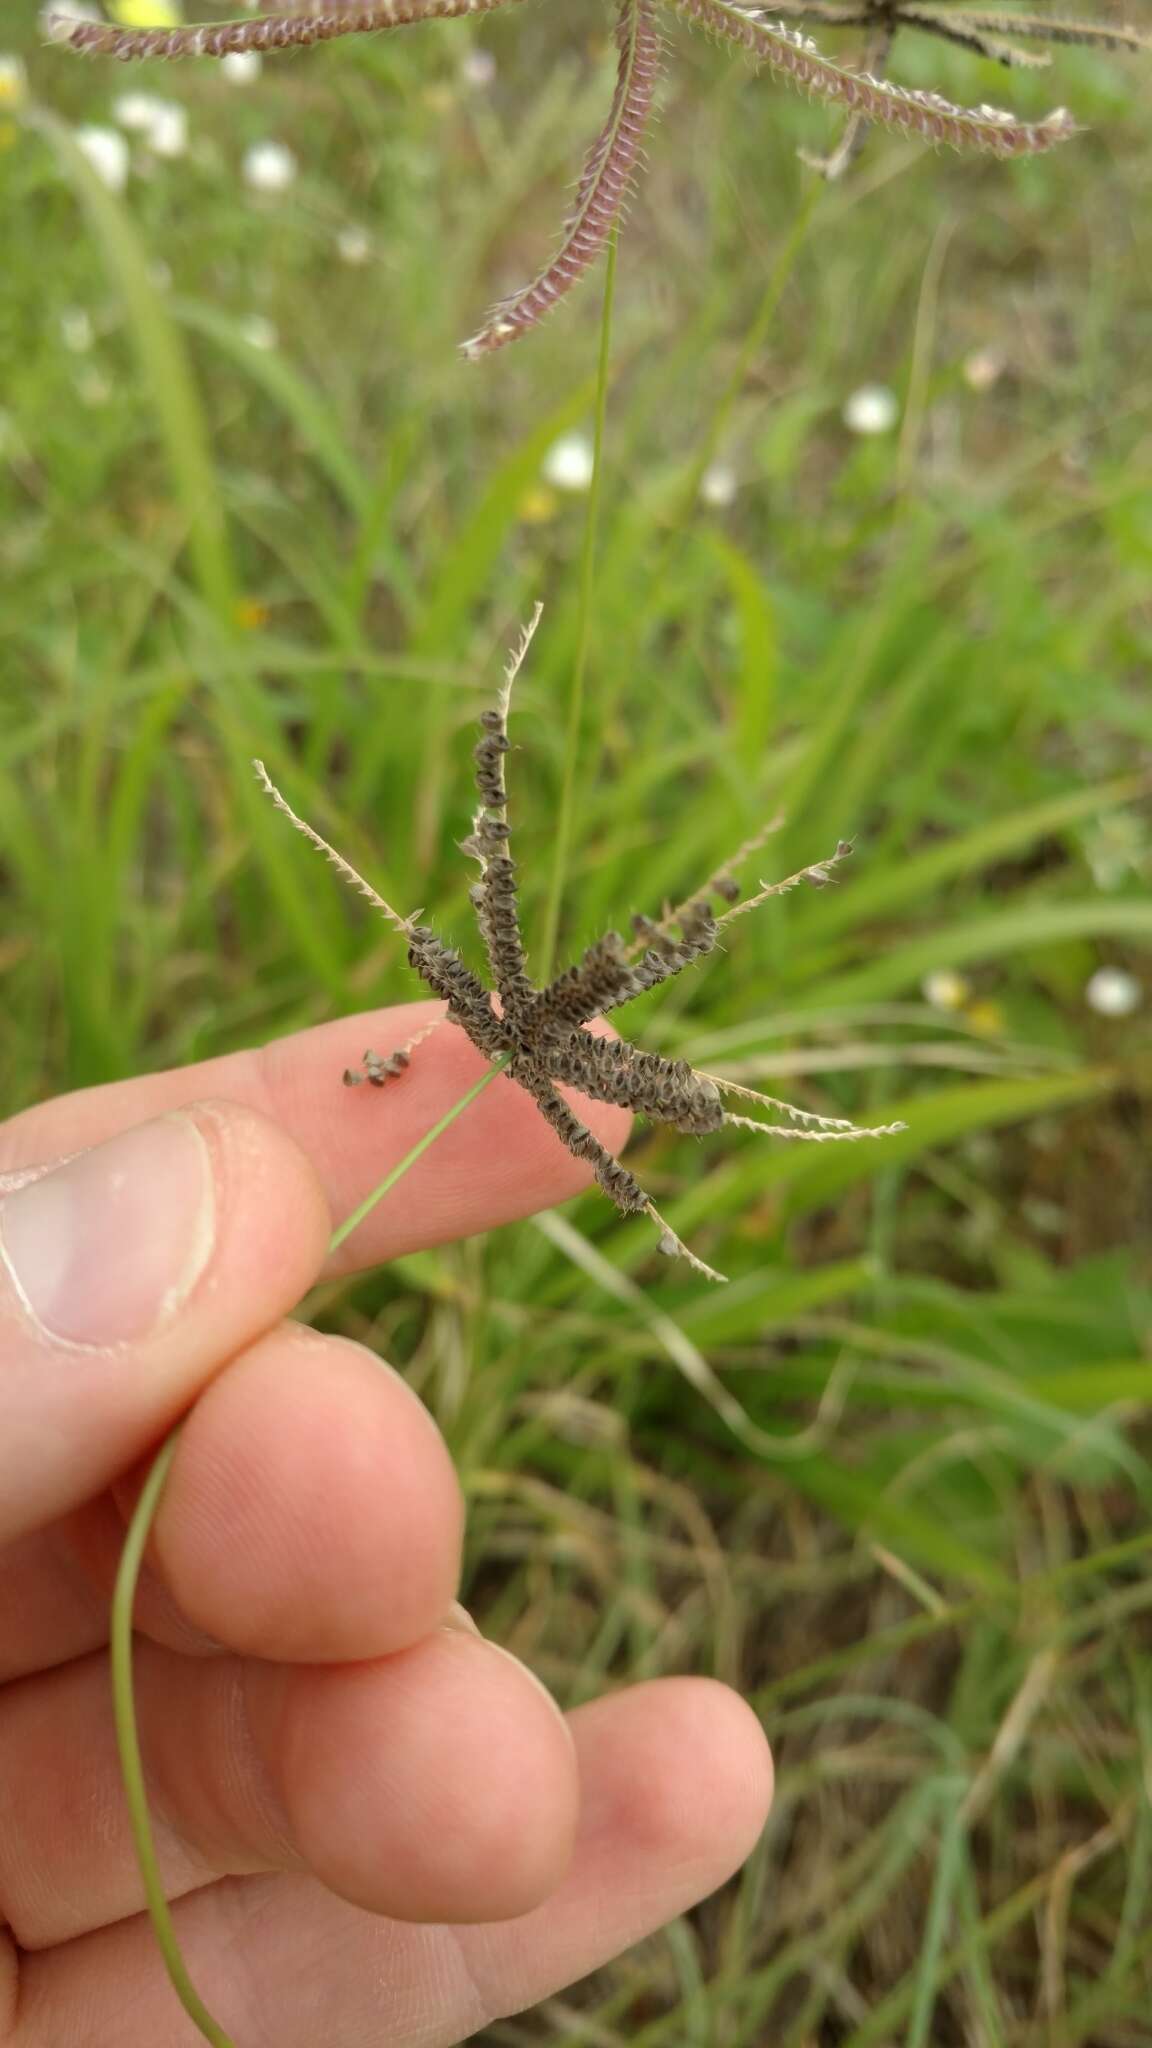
<point x="540" y="1034"/>
<point x="768" y="35"/>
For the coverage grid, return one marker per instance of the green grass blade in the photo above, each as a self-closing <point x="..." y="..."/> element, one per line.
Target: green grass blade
<point x="167" y="373"/>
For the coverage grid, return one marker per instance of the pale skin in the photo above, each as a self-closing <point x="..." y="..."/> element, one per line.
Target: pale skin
<point x="376" y="1828"/>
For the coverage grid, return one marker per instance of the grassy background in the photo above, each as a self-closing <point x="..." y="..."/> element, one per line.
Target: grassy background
<point x="893" y="1481"/>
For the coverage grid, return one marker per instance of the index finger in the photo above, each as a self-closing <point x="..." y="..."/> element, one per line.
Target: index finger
<point x="498" y="1162"/>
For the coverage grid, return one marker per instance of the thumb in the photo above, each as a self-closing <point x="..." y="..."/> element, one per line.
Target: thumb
<point x="128" y="1275"/>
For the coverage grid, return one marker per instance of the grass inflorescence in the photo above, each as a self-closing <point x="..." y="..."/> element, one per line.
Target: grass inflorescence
<point x="865" y="94"/>
<point x="539" y="1035"/>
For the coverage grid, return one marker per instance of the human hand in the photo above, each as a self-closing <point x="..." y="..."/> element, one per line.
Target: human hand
<point x="375" y="1827"/>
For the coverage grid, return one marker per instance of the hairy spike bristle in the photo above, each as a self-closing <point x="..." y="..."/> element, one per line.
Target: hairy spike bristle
<point x="833" y="165"/>
<point x="819" y="873"/>
<point x="1042" y="28"/>
<point x="603" y="188"/>
<point x="962" y="30"/>
<point x="926" y="115"/>
<point x="518" y="657"/>
<point x="721" y="883"/>
<point x="404" y="925"/>
<point x="261" y="33"/>
<point x="827" y="15"/>
<point x="674" y="1247"/>
<point x="802" y="1133"/>
<point x="789" y="1109"/>
<point x="762" y="32"/>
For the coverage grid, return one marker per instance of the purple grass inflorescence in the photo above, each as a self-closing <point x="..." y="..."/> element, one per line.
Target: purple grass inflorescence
<point x="767" y="35"/>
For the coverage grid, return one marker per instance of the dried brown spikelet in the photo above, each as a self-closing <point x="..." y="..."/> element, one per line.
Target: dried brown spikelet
<point x="539" y="1034"/>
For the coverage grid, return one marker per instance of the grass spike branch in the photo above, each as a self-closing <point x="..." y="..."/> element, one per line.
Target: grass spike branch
<point x="965" y="32"/>
<point x="789" y="1109"/>
<point x="771" y="36"/>
<point x="539" y="1035"/>
<point x="927" y="116"/>
<point x="495" y="898"/>
<point x="291" y="28"/>
<point x="803" y="1133"/>
<point x="993" y="34"/>
<point x="404" y="925"/>
<point x="604" y="187"/>
<point x="819" y="873"/>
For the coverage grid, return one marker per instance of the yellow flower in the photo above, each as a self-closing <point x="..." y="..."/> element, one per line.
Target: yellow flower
<point x="945" y="990"/>
<point x="538" y="506"/>
<point x="985" y="1018"/>
<point x="13" y="83"/>
<point x="147" y="13"/>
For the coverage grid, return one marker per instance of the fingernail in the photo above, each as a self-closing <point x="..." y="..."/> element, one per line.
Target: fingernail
<point x="458" y="1621"/>
<point x="459" y="1618"/>
<point x="107" y="1247"/>
<point x="527" y="1672"/>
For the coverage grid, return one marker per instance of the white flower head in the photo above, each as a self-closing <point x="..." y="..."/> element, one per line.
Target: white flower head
<point x="269" y="167"/>
<point x="260" y="333"/>
<point x="169" y="136"/>
<point x="1113" y="992"/>
<point x="945" y="989"/>
<point x="13" y="83"/>
<point x="240" y="67"/>
<point x="718" y="485"/>
<point x="353" y="245"/>
<point x="162" y="124"/>
<point x="136" y="111"/>
<point x="873" y="409"/>
<point x="107" y="152"/>
<point x="984" y="367"/>
<point x="569" y="463"/>
<point x="478" y="69"/>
